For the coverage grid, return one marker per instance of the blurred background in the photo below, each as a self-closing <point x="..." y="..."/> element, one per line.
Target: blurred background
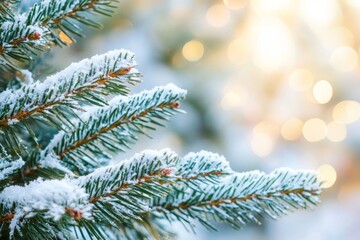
<point x="271" y="83"/>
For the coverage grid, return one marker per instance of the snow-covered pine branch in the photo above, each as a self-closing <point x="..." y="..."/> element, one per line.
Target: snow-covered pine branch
<point x="8" y="165"/>
<point x="120" y="190"/>
<point x="84" y="82"/>
<point x="24" y="34"/>
<point x="44" y="203"/>
<point x="242" y="198"/>
<point x="121" y="193"/>
<point x="112" y="127"/>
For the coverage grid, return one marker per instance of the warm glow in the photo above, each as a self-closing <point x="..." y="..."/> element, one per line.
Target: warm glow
<point x="237" y="51"/>
<point x="344" y="58"/>
<point x="320" y="13"/>
<point x="234" y="4"/>
<point x="235" y="95"/>
<point x="291" y="129"/>
<point x="65" y="38"/>
<point x="218" y="15"/>
<point x="327" y="175"/>
<point x="301" y="80"/>
<point x="268" y="127"/>
<point x="314" y="130"/>
<point x="272" y="45"/>
<point x="346" y="112"/>
<point x="322" y="91"/>
<point x="336" y="132"/>
<point x="353" y="3"/>
<point x="193" y="50"/>
<point x="273" y="6"/>
<point x="231" y="100"/>
<point x="262" y="144"/>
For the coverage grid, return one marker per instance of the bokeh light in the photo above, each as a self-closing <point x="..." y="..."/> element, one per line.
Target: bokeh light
<point x="344" y="58"/>
<point x="322" y="91"/>
<point x="314" y="130"/>
<point x="327" y="175"/>
<point x="237" y="51"/>
<point x="272" y="46"/>
<point x="262" y="144"/>
<point x="292" y="129"/>
<point x="336" y="132"/>
<point x="193" y="50"/>
<point x="218" y="16"/>
<point x="235" y="95"/>
<point x="235" y="4"/>
<point x="301" y="79"/>
<point x="346" y="112"/>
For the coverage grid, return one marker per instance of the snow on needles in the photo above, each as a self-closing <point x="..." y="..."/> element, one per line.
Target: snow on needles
<point x="128" y="171"/>
<point x="50" y="198"/>
<point x="62" y="84"/>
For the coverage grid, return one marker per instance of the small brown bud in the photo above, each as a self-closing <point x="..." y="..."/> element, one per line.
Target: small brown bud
<point x="76" y="214"/>
<point x="35" y="36"/>
<point x="166" y="171"/>
<point x="175" y="104"/>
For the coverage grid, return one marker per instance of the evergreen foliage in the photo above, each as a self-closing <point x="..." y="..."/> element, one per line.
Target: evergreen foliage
<point x="57" y="137"/>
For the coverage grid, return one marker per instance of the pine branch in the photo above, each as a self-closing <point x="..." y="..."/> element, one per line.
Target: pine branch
<point x="55" y="99"/>
<point x="121" y="193"/>
<point x="24" y="35"/>
<point x="8" y="166"/>
<point x="117" y="124"/>
<point x="52" y="200"/>
<point x="118" y="192"/>
<point x="241" y="198"/>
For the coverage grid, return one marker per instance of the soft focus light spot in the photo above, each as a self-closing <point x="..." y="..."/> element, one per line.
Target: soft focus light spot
<point x="273" y="6"/>
<point x="322" y="91"/>
<point x="234" y="4"/>
<point x="327" y="175"/>
<point x="338" y="36"/>
<point x="314" y="130"/>
<point x="272" y="45"/>
<point x="267" y="127"/>
<point x="301" y="80"/>
<point x="336" y="132"/>
<point x="320" y="13"/>
<point x="353" y="3"/>
<point x="262" y="144"/>
<point x="218" y="16"/>
<point x="235" y="95"/>
<point x="346" y="112"/>
<point x="291" y="129"/>
<point x="344" y="58"/>
<point x="237" y="51"/>
<point x="231" y="100"/>
<point x="65" y="38"/>
<point x="193" y="50"/>
<point x="347" y="190"/>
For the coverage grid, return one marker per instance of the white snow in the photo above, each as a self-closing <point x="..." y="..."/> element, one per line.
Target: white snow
<point x="194" y="164"/>
<point x="12" y="121"/>
<point x="60" y="85"/>
<point x="129" y="171"/>
<point x="51" y="197"/>
<point x="8" y="167"/>
<point x="119" y="107"/>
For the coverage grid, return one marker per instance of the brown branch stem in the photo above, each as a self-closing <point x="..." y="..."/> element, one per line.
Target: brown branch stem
<point x="107" y="129"/>
<point x="41" y="108"/>
<point x="224" y="201"/>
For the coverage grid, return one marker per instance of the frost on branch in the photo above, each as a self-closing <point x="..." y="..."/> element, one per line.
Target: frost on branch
<point x="113" y="127"/>
<point x="23" y="35"/>
<point x="51" y="199"/>
<point x="84" y="81"/>
<point x="242" y="198"/>
<point x="8" y="165"/>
